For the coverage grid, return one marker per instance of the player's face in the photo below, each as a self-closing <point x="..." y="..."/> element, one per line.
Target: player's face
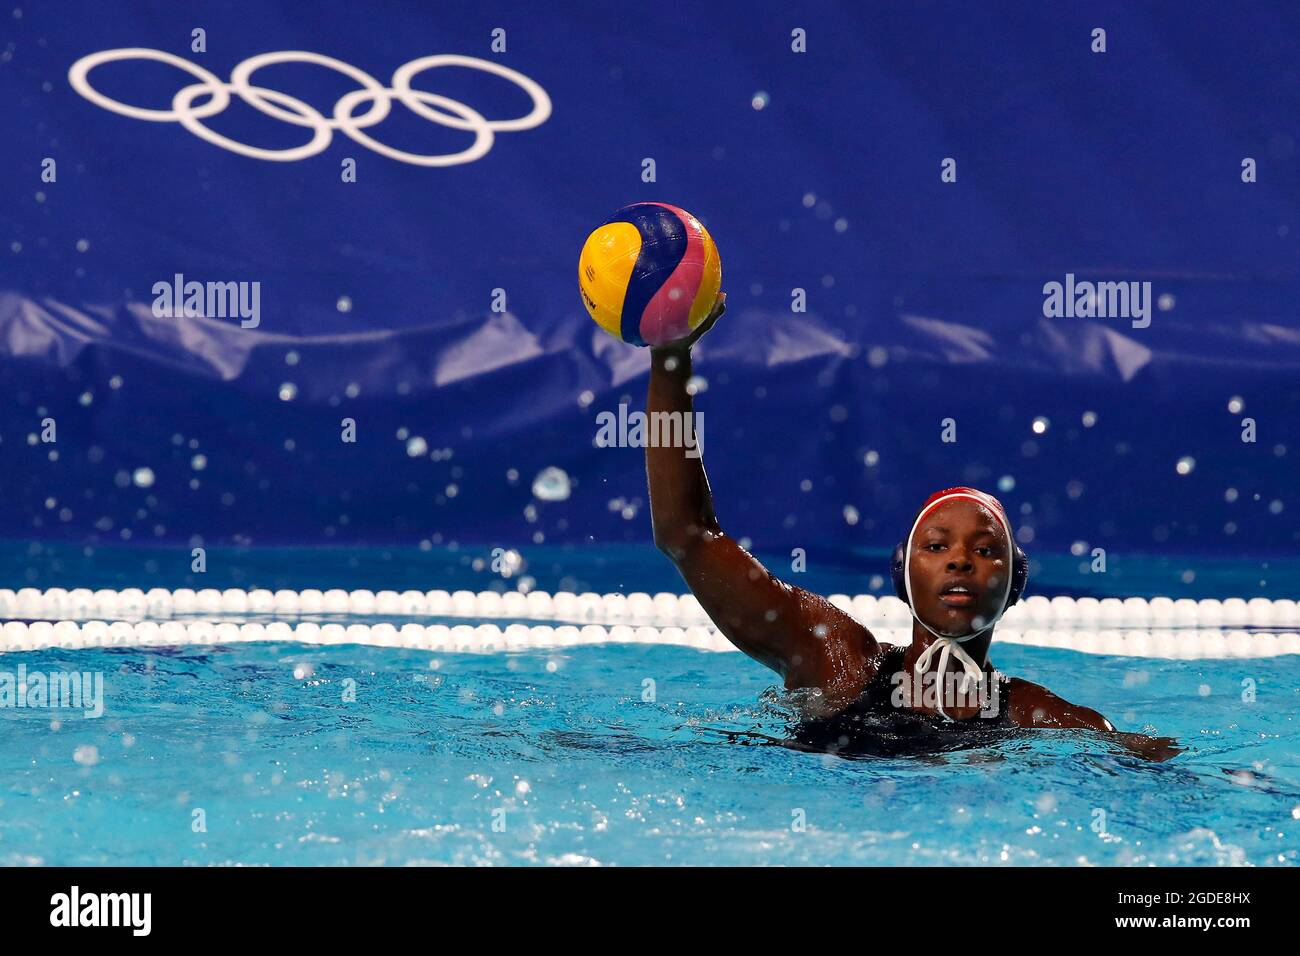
<point x="960" y="563"/>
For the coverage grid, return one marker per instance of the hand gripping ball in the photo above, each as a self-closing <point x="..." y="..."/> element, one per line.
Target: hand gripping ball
<point x="650" y="274"/>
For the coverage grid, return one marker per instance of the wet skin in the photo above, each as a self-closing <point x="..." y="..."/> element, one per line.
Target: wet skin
<point x="803" y="637"/>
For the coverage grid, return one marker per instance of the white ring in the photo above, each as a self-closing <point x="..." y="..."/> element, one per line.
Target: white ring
<point x="77" y="76"/>
<point x="240" y="75"/>
<point x="483" y="135"/>
<point x="319" y="142"/>
<point x="540" y="112"/>
<point x="430" y="106"/>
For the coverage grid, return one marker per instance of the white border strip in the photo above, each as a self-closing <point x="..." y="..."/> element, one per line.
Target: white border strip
<point x="489" y="638"/>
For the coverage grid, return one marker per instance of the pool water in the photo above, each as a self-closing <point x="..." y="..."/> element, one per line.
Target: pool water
<point x="617" y="755"/>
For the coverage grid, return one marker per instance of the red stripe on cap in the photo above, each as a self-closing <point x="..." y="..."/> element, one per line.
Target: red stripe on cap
<point x="982" y="497"/>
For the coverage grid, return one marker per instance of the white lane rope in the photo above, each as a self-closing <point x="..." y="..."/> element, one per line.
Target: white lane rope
<point x="1160" y="627"/>
<point x="491" y="639"/>
<point x="659" y="610"/>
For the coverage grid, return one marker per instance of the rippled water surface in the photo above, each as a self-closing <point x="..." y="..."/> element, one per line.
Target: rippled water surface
<point x="284" y="754"/>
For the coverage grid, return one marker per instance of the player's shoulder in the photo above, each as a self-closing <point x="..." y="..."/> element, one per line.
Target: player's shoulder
<point x="1033" y="705"/>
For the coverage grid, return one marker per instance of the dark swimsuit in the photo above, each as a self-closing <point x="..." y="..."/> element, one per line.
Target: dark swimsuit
<point x="873" y="726"/>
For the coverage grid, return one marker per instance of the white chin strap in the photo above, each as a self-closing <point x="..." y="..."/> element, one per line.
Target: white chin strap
<point x="947" y="646"/>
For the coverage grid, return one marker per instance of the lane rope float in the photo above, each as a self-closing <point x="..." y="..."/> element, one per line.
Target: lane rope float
<point x="491" y="639"/>
<point x="1159" y="627"/>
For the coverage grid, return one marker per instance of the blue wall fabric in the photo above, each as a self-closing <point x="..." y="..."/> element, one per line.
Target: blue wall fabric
<point x="818" y="171"/>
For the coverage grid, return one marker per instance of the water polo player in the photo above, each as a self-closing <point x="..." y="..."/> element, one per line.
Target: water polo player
<point x="959" y="569"/>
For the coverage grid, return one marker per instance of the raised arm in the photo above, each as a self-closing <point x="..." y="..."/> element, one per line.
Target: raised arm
<point x="803" y="637"/>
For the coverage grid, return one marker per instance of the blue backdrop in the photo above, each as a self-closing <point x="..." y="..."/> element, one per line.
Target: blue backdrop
<point x="817" y="170"/>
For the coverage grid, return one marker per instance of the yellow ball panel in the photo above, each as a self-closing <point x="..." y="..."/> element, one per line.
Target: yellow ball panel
<point x="604" y="270"/>
<point x="710" y="282"/>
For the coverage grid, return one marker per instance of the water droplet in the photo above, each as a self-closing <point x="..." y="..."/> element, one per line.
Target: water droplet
<point x="344" y="304"/>
<point x="87" y="755"/>
<point x="1089" y="419"/>
<point x="1185" y="465"/>
<point x="1041" y="424"/>
<point x="288" y="392"/>
<point x="551" y="484"/>
<point x="199" y="462"/>
<point x="760" y="100"/>
<point x="1006" y="483"/>
<point x="1236" y="404"/>
<point x="143" y="477"/>
<point x="508" y="563"/>
<point x="416" y="446"/>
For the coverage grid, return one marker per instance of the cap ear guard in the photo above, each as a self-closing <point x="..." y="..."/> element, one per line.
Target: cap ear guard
<point x="1019" y="573"/>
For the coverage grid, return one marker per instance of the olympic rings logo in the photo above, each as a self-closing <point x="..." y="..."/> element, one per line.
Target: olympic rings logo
<point x="431" y="106"/>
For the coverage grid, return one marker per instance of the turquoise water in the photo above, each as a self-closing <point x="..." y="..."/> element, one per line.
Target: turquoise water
<point x="284" y="754"/>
